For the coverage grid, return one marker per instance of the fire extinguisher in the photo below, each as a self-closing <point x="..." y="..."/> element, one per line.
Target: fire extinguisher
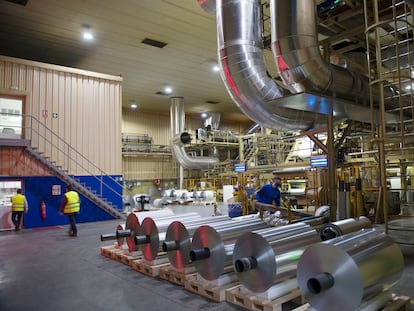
<point x="43" y="209"/>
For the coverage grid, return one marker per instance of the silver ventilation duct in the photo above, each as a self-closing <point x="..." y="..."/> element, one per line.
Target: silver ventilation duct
<point x="243" y="69"/>
<point x="296" y="51"/>
<point x="177" y="116"/>
<point x="208" y="5"/>
<point x="213" y="120"/>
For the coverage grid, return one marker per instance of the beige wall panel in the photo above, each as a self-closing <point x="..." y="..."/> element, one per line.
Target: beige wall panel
<point x="148" y="168"/>
<point x="157" y="126"/>
<point x="88" y="109"/>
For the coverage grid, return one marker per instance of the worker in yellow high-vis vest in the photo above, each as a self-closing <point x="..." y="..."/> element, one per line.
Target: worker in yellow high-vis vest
<point x="70" y="206"/>
<point x="19" y="206"/>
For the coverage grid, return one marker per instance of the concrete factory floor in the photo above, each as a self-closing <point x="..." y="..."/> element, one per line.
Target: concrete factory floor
<point x="48" y="270"/>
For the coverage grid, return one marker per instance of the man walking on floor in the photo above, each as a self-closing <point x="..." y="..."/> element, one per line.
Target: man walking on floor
<point x="19" y="205"/>
<point x="70" y="206"/>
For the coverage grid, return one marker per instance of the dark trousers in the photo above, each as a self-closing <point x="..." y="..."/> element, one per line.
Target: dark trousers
<point x="72" y="222"/>
<point x="16" y="219"/>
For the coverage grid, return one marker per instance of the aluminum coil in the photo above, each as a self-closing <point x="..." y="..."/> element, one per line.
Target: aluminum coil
<point x="344" y="226"/>
<point x="264" y="257"/>
<point x="209" y="253"/>
<point x="177" y="241"/>
<point x="152" y="233"/>
<point x="345" y="271"/>
<point x="133" y="223"/>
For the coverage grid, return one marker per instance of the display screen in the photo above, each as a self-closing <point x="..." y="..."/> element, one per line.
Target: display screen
<point x="319" y="161"/>
<point x="240" y="168"/>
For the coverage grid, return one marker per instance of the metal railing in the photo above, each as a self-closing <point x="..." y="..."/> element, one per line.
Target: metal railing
<point x="57" y="151"/>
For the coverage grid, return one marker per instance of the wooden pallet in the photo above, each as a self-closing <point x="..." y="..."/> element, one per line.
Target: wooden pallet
<point x="175" y="276"/>
<point x="210" y="290"/>
<point x="148" y="268"/>
<point x="397" y="303"/>
<point x="111" y="251"/>
<point x="119" y="254"/>
<point x="254" y="302"/>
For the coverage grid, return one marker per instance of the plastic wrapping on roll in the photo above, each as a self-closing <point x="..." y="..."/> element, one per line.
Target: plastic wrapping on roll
<point x="345" y="271"/>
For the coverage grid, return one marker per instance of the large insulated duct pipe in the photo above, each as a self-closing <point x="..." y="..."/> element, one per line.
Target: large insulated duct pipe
<point x="212" y="249"/>
<point x="243" y="69"/>
<point x="341" y="227"/>
<point x="347" y="270"/>
<point x="296" y="51"/>
<point x="177" y="116"/>
<point x="263" y="257"/>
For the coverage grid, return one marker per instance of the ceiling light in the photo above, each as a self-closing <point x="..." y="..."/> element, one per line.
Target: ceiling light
<point x="168" y="89"/>
<point x="215" y="68"/>
<point x="87" y="34"/>
<point x="203" y="115"/>
<point x="133" y="106"/>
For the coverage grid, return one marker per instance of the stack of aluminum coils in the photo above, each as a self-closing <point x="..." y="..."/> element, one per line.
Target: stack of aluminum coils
<point x="348" y="270"/>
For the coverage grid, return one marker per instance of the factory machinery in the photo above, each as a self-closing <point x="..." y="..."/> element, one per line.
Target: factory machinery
<point x="326" y="262"/>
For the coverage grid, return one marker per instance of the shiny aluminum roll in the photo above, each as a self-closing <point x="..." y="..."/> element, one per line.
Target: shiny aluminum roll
<point x="153" y="231"/>
<point x="114" y="236"/>
<point x="133" y="223"/>
<point x="208" y="250"/>
<point x="345" y="271"/>
<point x="263" y="257"/>
<point x="344" y="226"/>
<point x="120" y="240"/>
<point x="177" y="241"/>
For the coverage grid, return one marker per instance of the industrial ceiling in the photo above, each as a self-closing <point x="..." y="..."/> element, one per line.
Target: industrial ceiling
<point x="50" y="31"/>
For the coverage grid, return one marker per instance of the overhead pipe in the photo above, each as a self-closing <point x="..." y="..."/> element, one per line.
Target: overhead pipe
<point x="243" y="69"/>
<point x="295" y="48"/>
<point x="180" y="138"/>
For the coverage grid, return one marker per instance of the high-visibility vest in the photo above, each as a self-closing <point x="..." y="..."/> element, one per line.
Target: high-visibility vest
<point x="18" y="203"/>
<point x="72" y="202"/>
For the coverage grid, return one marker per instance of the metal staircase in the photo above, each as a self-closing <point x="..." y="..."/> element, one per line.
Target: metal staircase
<point x="44" y="146"/>
<point x="82" y="188"/>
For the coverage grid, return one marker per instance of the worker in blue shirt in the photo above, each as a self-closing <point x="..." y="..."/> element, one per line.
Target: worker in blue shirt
<point x="270" y="193"/>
